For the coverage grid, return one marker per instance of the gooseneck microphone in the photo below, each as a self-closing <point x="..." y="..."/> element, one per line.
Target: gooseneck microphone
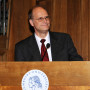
<point x="47" y="46"/>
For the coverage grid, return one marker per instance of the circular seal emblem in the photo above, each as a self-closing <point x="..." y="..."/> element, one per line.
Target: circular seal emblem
<point x="35" y="80"/>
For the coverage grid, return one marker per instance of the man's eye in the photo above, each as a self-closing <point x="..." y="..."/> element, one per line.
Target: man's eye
<point x="40" y="18"/>
<point x="47" y="17"/>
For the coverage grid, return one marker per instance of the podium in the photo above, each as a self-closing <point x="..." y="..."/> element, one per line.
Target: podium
<point x="62" y="75"/>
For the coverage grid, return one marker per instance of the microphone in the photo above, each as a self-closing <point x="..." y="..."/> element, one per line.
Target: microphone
<point x="47" y="46"/>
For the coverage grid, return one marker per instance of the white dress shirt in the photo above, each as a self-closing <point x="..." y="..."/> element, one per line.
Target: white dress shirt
<point x="47" y="38"/>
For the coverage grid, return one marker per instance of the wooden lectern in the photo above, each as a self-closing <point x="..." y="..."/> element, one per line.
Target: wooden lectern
<point x="67" y="75"/>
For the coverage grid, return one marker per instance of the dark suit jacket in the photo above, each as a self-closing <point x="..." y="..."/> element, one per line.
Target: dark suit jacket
<point x="62" y="49"/>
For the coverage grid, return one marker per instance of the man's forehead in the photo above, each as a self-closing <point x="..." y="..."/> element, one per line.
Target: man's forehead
<point x="38" y="10"/>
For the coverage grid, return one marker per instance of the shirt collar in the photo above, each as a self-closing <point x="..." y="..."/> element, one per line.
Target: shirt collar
<point x="47" y="38"/>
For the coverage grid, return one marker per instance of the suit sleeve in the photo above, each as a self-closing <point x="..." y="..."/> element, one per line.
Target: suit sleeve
<point x="72" y="52"/>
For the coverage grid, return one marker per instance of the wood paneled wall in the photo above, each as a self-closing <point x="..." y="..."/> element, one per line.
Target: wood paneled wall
<point x="68" y="16"/>
<point x="19" y="28"/>
<point x="72" y="16"/>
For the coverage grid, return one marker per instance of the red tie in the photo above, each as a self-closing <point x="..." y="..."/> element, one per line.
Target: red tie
<point x="44" y="53"/>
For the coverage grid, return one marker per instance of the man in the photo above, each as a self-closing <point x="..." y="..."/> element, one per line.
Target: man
<point x="60" y="47"/>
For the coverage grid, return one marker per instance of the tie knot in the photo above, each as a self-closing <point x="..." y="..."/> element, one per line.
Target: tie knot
<point x="42" y="40"/>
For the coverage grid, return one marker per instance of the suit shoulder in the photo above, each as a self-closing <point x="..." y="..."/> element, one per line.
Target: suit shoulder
<point x="24" y="42"/>
<point x="59" y="34"/>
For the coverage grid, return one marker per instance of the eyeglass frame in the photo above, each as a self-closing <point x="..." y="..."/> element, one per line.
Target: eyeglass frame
<point x="41" y="19"/>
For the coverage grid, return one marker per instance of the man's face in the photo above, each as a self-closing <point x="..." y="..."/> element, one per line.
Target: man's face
<point x="40" y="21"/>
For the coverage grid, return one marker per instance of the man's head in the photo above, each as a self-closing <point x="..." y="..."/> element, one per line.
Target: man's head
<point x="39" y="19"/>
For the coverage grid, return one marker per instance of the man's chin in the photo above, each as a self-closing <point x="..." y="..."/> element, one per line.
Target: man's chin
<point x="44" y="31"/>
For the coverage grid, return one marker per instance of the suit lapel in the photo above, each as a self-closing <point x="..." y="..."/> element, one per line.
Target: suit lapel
<point x="53" y="41"/>
<point x="35" y="49"/>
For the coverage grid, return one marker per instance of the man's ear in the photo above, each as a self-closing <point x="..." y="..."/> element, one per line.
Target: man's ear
<point x="31" y="22"/>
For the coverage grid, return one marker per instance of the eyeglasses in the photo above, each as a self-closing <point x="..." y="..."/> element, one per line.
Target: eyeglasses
<point x="42" y="19"/>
